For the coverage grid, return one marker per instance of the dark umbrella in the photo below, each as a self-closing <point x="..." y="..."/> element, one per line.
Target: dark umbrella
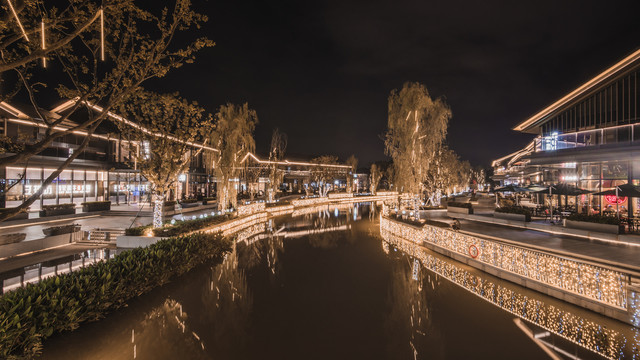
<point x="625" y="190"/>
<point x="511" y="188"/>
<point x="562" y="189"/>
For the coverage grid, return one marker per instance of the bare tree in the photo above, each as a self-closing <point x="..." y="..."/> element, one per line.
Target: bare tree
<point x="278" y="148"/>
<point x="136" y="44"/>
<point x="168" y="137"/>
<point x="417" y="125"/>
<point x="323" y="175"/>
<point x="353" y="162"/>
<point x="233" y="137"/>
<point x="374" y="178"/>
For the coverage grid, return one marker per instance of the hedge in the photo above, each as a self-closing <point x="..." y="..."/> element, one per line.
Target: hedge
<point x="599" y="219"/>
<point x="459" y="204"/>
<point x="33" y="313"/>
<point x="188" y="201"/>
<point x="59" y="207"/>
<point x="515" y="210"/>
<point x="180" y="227"/>
<point x="59" y="230"/>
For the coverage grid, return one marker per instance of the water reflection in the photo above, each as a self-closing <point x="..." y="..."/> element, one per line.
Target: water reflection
<point x="606" y="337"/>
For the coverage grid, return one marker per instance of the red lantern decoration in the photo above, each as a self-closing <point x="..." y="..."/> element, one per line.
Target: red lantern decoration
<point x="611" y="199"/>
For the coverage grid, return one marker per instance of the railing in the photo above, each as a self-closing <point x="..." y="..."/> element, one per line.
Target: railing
<point x="104" y="235"/>
<point x="597" y="283"/>
<point x="611" y="135"/>
<point x="575" y="327"/>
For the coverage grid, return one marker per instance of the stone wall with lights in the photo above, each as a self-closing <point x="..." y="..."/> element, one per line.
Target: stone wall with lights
<point x="598" y="288"/>
<point x="581" y="328"/>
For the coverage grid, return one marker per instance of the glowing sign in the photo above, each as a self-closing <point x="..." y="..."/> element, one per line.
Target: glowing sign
<point x="611" y="199"/>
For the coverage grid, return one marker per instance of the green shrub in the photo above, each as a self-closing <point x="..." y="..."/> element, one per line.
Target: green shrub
<point x="59" y="230"/>
<point x="96" y="203"/>
<point x="459" y="204"/>
<point x="515" y="210"/>
<point x="59" y="207"/>
<point x="137" y="231"/>
<point x="182" y="227"/>
<point x="599" y="219"/>
<point x="188" y="201"/>
<point x="169" y="203"/>
<point x="33" y="313"/>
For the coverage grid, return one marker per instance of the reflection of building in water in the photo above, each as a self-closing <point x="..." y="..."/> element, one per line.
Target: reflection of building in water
<point x="614" y="342"/>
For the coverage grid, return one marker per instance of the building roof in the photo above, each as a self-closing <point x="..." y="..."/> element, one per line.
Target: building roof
<point x="291" y="163"/>
<point x="531" y="124"/>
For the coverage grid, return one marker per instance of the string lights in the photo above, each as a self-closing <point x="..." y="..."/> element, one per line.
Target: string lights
<point x="43" y="44"/>
<point x="577" y="329"/>
<point x="593" y="282"/>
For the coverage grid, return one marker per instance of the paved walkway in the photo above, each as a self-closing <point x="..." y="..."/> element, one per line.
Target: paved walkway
<point x="620" y="255"/>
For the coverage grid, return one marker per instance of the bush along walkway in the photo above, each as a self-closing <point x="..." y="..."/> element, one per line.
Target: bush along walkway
<point x="33" y="313"/>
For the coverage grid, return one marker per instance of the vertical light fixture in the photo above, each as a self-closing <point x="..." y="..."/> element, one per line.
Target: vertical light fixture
<point x="101" y="34"/>
<point x="13" y="11"/>
<point x="44" y="45"/>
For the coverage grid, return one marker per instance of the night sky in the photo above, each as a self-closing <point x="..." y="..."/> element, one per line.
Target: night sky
<point x="322" y="71"/>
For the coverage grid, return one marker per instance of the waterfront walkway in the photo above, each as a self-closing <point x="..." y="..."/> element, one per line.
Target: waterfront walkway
<point x="622" y="255"/>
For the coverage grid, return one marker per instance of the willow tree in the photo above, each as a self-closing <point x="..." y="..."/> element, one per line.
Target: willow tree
<point x="233" y="138"/>
<point x="352" y="161"/>
<point x="324" y="175"/>
<point x="417" y="125"/>
<point x="135" y="44"/>
<point x="169" y="133"/>
<point x="276" y="153"/>
<point x="375" y="174"/>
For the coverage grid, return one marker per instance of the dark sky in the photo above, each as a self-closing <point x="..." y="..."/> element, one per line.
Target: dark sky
<point x="322" y="71"/>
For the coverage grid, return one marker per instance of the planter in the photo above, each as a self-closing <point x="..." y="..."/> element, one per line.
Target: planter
<point x="459" y="210"/>
<point x="189" y="205"/>
<point x="208" y="201"/>
<point x="96" y="206"/>
<point x="589" y="226"/>
<point x="509" y="216"/>
<point x="44" y="213"/>
<point x="12" y="238"/>
<point x="60" y="230"/>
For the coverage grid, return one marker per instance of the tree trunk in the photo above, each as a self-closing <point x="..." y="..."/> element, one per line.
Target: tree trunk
<point x="158" y="205"/>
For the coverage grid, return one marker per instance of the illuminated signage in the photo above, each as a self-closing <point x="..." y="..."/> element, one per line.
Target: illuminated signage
<point x="62" y="189"/>
<point x="611" y="199"/>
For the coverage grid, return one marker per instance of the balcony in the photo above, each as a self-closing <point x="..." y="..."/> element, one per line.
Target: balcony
<point x="623" y="134"/>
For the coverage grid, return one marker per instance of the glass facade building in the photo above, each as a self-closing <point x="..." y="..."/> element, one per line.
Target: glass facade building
<point x="589" y="138"/>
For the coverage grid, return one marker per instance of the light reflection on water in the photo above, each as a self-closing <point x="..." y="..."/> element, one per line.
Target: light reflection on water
<point x="317" y="285"/>
<point x="585" y="329"/>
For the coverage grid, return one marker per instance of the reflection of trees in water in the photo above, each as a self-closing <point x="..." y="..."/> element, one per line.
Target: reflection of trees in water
<point x="408" y="321"/>
<point x="165" y="330"/>
<point x="263" y="253"/>
<point x="587" y="331"/>
<point x="227" y="304"/>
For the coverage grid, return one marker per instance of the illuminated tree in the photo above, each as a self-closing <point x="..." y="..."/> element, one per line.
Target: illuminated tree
<point x="353" y="162"/>
<point x="278" y="148"/>
<point x="323" y="176"/>
<point x="234" y="138"/>
<point x="162" y="146"/>
<point x="374" y="178"/>
<point x="417" y="125"/>
<point x="137" y="47"/>
<point x="446" y="175"/>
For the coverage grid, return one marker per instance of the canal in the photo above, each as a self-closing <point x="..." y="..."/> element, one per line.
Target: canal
<point x="323" y="284"/>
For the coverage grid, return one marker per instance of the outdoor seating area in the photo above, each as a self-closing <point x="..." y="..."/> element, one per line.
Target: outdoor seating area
<point x="568" y="200"/>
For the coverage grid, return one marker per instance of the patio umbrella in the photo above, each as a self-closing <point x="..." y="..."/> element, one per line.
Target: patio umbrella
<point x="562" y="189"/>
<point x="511" y="188"/>
<point x="625" y="190"/>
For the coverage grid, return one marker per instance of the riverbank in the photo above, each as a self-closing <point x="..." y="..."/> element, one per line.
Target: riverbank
<point x="600" y="287"/>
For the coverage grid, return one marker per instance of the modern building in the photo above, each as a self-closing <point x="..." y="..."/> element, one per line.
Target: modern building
<point x="589" y="138"/>
<point x="104" y="171"/>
